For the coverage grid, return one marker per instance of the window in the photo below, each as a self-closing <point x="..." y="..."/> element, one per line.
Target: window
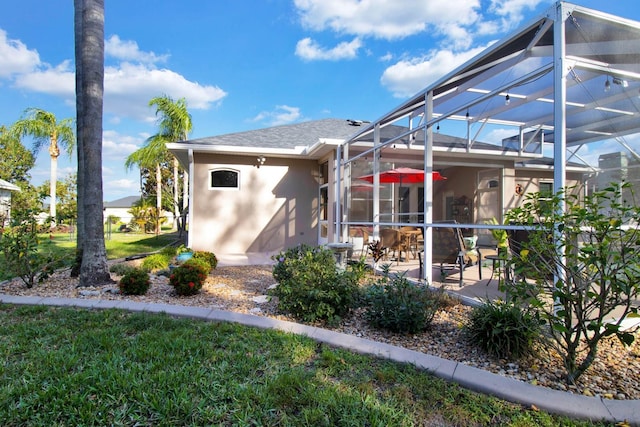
<point x="224" y="179"/>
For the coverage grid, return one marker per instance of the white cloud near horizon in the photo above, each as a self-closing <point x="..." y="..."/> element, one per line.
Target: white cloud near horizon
<point x="128" y="85"/>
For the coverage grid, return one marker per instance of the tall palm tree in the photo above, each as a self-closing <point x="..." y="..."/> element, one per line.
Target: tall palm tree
<point x="175" y="125"/>
<point x="89" y="50"/>
<point x="150" y="156"/>
<point x="46" y="129"/>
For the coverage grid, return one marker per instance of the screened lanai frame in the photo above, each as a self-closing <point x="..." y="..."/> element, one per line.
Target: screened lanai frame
<point x="568" y="78"/>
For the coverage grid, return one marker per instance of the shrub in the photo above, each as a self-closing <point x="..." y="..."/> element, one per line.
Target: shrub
<point x="398" y="305"/>
<point x="188" y="278"/>
<point x="169" y="251"/>
<point x="154" y="262"/>
<point x="310" y="286"/>
<point x="135" y="282"/>
<point x="502" y="329"/>
<point x="21" y="254"/>
<point x="121" y="269"/>
<point x="208" y="257"/>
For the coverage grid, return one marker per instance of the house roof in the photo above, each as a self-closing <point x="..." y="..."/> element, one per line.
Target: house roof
<point x="311" y="139"/>
<point x="125" y="202"/>
<point x="5" y="185"/>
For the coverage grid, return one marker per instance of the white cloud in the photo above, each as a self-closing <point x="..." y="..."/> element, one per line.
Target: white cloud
<point x="386" y="19"/>
<point x="407" y="77"/>
<point x="310" y="50"/>
<point x="15" y="57"/>
<point x="282" y="115"/>
<point x="510" y="11"/>
<point x="118" y="146"/>
<point x="127" y="50"/>
<point x="59" y="80"/>
<point x="128" y="86"/>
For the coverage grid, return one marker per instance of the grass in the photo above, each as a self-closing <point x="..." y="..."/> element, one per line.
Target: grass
<point x="119" y="245"/>
<point x="79" y="367"/>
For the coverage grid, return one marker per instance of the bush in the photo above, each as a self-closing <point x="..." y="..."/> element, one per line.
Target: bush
<point x="502" y="329"/>
<point x="156" y="262"/>
<point x="208" y="257"/>
<point x="398" y="305"/>
<point x="169" y="251"/>
<point x="310" y="286"/>
<point x="188" y="278"/>
<point x="135" y="282"/>
<point x="121" y="269"/>
<point x="20" y="253"/>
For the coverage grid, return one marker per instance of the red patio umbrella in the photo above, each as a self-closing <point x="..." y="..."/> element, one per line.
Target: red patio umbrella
<point x="402" y="175"/>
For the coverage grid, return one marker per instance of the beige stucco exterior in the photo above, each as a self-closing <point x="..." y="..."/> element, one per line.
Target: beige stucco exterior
<point x="275" y="206"/>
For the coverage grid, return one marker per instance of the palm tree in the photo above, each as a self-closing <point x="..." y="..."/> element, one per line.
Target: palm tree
<point x="46" y="129"/>
<point x="89" y="51"/>
<point x="175" y="125"/>
<point x="151" y="156"/>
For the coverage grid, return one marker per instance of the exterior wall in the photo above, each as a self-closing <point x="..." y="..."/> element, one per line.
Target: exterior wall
<point x="5" y="204"/>
<point x="275" y="207"/>
<point x="530" y="181"/>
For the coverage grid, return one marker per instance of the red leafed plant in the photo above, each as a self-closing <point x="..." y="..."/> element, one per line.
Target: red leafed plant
<point x="188" y="278"/>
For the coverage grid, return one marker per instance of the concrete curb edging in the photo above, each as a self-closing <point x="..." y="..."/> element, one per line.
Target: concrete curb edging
<point x="553" y="401"/>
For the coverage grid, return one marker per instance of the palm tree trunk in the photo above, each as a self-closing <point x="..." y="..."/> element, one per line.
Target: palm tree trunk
<point x="94" y="269"/>
<point x="158" y="197"/>
<point x="52" y="190"/>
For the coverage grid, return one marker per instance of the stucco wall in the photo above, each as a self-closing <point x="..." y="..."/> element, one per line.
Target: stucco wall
<point x="274" y="208"/>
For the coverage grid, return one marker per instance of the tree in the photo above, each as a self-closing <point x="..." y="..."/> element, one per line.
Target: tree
<point x="151" y="156"/>
<point x="175" y="125"/>
<point x="45" y="128"/>
<point x="15" y="159"/>
<point x="89" y="50"/>
<point x="576" y="268"/>
<point x="66" y="193"/>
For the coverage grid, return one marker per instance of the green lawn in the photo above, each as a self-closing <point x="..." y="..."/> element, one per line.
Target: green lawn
<point x="83" y="367"/>
<point x="119" y="245"/>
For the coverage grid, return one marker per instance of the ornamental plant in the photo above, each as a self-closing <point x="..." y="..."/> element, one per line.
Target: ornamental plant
<point x="20" y="253"/>
<point x="579" y="269"/>
<point x="188" y="278"/>
<point x="311" y="287"/>
<point x="208" y="257"/>
<point x="503" y="329"/>
<point x="397" y="305"/>
<point x="135" y="282"/>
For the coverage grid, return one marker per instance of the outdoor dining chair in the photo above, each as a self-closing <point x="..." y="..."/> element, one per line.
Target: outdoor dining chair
<point x="449" y="251"/>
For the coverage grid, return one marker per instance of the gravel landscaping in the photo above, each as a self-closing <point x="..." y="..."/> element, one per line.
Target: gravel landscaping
<point x="614" y="375"/>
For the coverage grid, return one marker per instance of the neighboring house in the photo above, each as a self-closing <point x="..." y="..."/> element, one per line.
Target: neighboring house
<point x="265" y="190"/>
<point x="120" y="208"/>
<point x="6" y="188"/>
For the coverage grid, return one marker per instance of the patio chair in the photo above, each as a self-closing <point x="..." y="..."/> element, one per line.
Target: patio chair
<point x="519" y="240"/>
<point x="450" y="252"/>
<point x="359" y="238"/>
<point x="391" y="239"/>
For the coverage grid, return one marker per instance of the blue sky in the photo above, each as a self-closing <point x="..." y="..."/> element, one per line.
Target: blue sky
<point x="245" y="65"/>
